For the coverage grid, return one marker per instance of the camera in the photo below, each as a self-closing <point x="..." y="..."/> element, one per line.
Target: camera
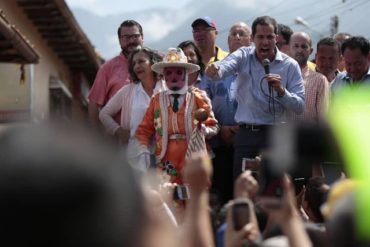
<point x="240" y="213"/>
<point x="181" y="192"/>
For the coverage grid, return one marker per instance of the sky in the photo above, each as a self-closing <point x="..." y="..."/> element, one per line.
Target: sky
<point x="107" y="7"/>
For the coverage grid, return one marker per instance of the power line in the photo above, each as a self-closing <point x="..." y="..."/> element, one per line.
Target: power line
<point x="318" y="16"/>
<point x="253" y="17"/>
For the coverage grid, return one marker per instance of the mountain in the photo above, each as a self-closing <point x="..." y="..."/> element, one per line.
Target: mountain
<point x="165" y="27"/>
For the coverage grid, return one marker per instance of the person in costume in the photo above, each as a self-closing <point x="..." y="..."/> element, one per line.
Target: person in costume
<point x="169" y="120"/>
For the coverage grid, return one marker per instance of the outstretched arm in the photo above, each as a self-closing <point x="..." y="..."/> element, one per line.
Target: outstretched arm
<point x="197" y="230"/>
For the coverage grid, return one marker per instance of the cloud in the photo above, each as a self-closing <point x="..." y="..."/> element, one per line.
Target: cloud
<point x="244" y="3"/>
<point x="109" y="7"/>
<point x="157" y="25"/>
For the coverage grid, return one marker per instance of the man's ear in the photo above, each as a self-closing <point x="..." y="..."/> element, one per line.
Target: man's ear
<point x="311" y="50"/>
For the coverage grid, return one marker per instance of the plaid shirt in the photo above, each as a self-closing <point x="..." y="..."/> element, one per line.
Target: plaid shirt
<point x="316" y="96"/>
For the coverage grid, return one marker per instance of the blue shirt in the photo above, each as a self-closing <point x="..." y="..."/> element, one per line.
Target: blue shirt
<point x="201" y="83"/>
<point x="220" y="235"/>
<point x="343" y="79"/>
<point x="222" y="94"/>
<point x="254" y="104"/>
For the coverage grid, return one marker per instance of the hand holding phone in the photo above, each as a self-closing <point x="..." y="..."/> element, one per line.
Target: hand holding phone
<point x="181" y="192"/>
<point x="240" y="213"/>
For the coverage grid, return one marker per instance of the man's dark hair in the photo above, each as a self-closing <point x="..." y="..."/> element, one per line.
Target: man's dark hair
<point x="187" y="43"/>
<point x="154" y="57"/>
<point x="328" y="41"/>
<point x="285" y="31"/>
<point x="357" y="42"/>
<point x="264" y="20"/>
<point x="129" y="23"/>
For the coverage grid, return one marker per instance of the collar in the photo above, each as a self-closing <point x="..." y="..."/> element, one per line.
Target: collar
<point x="366" y="77"/>
<point x="220" y="54"/>
<point x="305" y="70"/>
<point x="159" y="86"/>
<point x="199" y="79"/>
<point x="278" y="55"/>
<point x="122" y="56"/>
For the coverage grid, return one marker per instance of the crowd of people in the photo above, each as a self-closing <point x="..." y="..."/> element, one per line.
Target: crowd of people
<point x="210" y="148"/>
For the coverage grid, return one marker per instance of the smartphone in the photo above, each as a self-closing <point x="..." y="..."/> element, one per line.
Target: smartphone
<point x="271" y="181"/>
<point x="181" y="192"/>
<point x="252" y="165"/>
<point x="240" y="213"/>
<point x="298" y="184"/>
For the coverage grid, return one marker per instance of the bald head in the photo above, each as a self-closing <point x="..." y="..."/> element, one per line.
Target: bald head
<point x="302" y="35"/>
<point x="300" y="47"/>
<point x="239" y="35"/>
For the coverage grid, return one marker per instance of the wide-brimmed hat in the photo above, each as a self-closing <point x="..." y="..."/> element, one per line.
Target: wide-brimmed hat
<point x="175" y="57"/>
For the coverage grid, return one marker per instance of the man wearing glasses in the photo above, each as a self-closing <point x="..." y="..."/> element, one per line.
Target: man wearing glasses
<point x="114" y="73"/>
<point x="204" y="35"/>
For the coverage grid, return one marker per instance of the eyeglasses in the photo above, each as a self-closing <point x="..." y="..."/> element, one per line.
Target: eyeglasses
<point x="203" y="30"/>
<point x="134" y="36"/>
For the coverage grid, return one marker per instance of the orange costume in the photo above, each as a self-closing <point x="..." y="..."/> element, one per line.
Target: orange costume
<point x="172" y="130"/>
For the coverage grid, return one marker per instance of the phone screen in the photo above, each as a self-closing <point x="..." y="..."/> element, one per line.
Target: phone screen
<point x="240" y="214"/>
<point x="181" y="192"/>
<point x="298" y="184"/>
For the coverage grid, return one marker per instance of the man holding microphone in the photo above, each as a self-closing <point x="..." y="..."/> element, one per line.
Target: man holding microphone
<point x="269" y="84"/>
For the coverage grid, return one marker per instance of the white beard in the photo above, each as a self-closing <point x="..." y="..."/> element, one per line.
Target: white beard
<point x="183" y="90"/>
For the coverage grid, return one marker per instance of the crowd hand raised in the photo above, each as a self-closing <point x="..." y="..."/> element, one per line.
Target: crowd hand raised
<point x="212" y="70"/>
<point x="274" y="81"/>
<point x="246" y="186"/>
<point x="197" y="172"/>
<point x="248" y="233"/>
<point x="166" y="191"/>
<point x="122" y="135"/>
<point x="287" y="216"/>
<point x="299" y="202"/>
<point x="287" y="207"/>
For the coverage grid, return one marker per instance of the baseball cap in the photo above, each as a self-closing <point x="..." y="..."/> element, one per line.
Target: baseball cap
<point x="207" y="20"/>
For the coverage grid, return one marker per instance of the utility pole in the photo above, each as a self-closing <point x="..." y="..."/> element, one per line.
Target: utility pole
<point x="334" y="23"/>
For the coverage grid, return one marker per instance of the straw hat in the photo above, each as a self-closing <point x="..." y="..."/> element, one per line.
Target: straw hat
<point x="175" y="57"/>
<point x="338" y="190"/>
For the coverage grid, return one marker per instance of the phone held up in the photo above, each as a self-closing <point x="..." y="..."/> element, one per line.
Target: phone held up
<point x="240" y="213"/>
<point x="181" y="192"/>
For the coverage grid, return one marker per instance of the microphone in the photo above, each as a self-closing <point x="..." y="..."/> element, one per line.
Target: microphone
<point x="266" y="65"/>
